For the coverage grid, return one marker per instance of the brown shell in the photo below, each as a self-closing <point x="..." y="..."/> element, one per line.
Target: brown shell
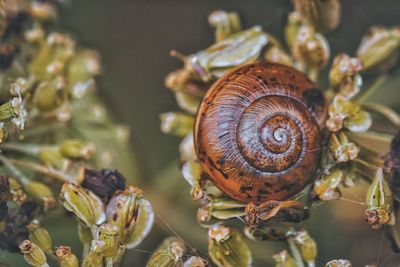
<point x="257" y="132"/>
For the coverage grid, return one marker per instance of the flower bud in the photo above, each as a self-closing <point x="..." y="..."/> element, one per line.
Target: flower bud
<point x="176" y="123"/>
<point x="342" y="149"/>
<point x="75" y="149"/>
<point x="378" y="48"/>
<point x="168" y="254"/>
<point x="83" y="203"/>
<point x="52" y="56"/>
<point x="81" y="70"/>
<point x="50" y="95"/>
<point x="225" y="23"/>
<point x="292" y="28"/>
<point x="283" y="259"/>
<point x="343" y="66"/>
<point x="132" y="215"/>
<point x="324" y="15"/>
<point x="33" y="255"/>
<point x="338" y="263"/>
<point x="43" y="10"/>
<point x="278" y="55"/>
<point x="109" y="235"/>
<point x="227" y="248"/>
<point x="186" y="149"/>
<point x="95" y="256"/>
<point x="195" y="261"/>
<point x="191" y="171"/>
<point x="222" y="209"/>
<point x="378" y="202"/>
<point x="187" y="102"/>
<point x="307" y="245"/>
<point x="326" y="188"/>
<point x="66" y="257"/>
<point x="7" y="112"/>
<point x="310" y="48"/>
<point x="40" y="236"/>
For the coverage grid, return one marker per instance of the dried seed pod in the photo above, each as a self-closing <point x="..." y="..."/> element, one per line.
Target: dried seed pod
<point x="132" y="215"/>
<point x="66" y="257"/>
<point x="109" y="235"/>
<point x="378" y="202"/>
<point x="33" y="254"/>
<point x="40" y="236"/>
<point x="95" y="256"/>
<point x="83" y="203"/>
<point x="169" y="254"/>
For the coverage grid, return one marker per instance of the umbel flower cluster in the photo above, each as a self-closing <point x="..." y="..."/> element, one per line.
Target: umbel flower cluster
<point x="53" y="130"/>
<point x="360" y="144"/>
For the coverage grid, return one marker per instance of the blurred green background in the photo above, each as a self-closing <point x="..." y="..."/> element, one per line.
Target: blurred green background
<point x="134" y="38"/>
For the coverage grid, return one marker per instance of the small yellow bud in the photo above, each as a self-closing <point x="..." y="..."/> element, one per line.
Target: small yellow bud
<point x="75" y="149"/>
<point x="33" y="254"/>
<point x="50" y="95"/>
<point x="95" y="256"/>
<point x="307" y="245"/>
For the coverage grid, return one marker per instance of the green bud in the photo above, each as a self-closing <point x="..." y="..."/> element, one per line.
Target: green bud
<point x="220" y="208"/>
<point x="41" y="192"/>
<point x="50" y="95"/>
<point x="75" y="149"/>
<point x="7" y="112"/>
<point x="83" y="203"/>
<point x="307" y="245"/>
<point x="132" y="215"/>
<point x="109" y="235"/>
<point x="95" y="256"/>
<point x="33" y="254"/>
<point x="311" y="48"/>
<point x="283" y="259"/>
<point x="65" y="257"/>
<point x="18" y="194"/>
<point x="225" y="23"/>
<point x="378" y="202"/>
<point x="81" y="70"/>
<point x="52" y="56"/>
<point x="227" y="248"/>
<point x="51" y="156"/>
<point x="191" y="171"/>
<point x="324" y="15"/>
<point x="186" y="149"/>
<point x="343" y="66"/>
<point x="169" y="254"/>
<point x="3" y="134"/>
<point x="176" y="123"/>
<point x="378" y="48"/>
<point x="292" y="28"/>
<point x="338" y="263"/>
<point x="40" y="236"/>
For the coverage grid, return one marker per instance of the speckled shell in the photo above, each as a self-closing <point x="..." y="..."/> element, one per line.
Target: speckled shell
<point x="258" y="132"/>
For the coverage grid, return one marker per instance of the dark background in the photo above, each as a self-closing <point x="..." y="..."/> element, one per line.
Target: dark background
<point x="134" y="38"/>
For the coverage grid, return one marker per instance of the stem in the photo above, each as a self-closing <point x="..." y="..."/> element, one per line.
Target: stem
<point x="62" y="177"/>
<point x="17" y="173"/>
<point x="313" y="74"/>
<point x="295" y="252"/>
<point x="32" y="150"/>
<point x="394" y="237"/>
<point x="376" y="84"/>
<point x="85" y="251"/>
<point x="391" y="115"/>
<point x="109" y="262"/>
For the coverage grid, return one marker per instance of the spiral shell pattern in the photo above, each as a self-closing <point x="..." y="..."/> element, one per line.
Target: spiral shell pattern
<point x="258" y="132"/>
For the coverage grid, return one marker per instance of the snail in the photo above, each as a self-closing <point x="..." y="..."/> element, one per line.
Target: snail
<point x="258" y="132"/>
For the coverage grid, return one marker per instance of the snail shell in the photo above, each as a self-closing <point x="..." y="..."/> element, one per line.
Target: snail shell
<point x="258" y="132"/>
